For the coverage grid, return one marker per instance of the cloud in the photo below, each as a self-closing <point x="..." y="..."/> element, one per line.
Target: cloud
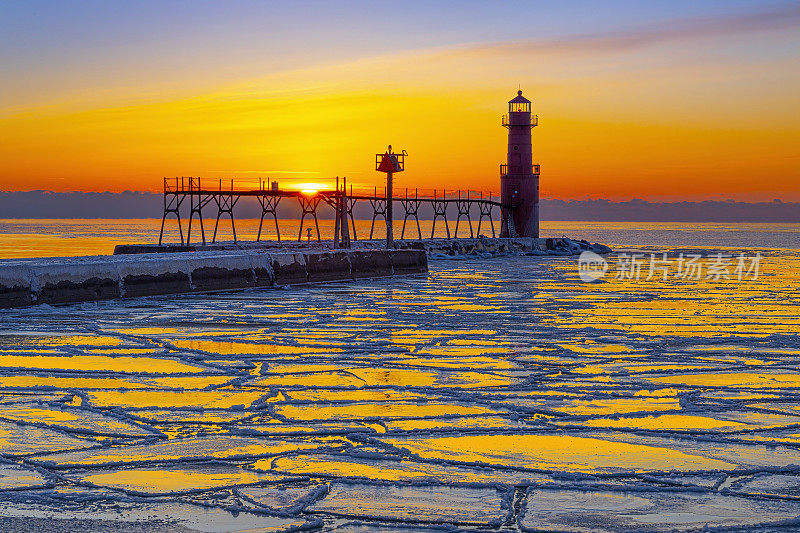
<point x="48" y="204"/>
<point x="781" y="17"/>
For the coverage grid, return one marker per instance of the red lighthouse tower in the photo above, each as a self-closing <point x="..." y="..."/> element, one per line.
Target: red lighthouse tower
<point x="519" y="177"/>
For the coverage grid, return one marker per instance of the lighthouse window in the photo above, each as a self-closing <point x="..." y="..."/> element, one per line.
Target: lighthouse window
<point x="516" y="148"/>
<point x="519" y="107"/>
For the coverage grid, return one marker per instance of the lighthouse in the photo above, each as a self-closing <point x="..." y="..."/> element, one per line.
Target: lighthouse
<point x="519" y="177"/>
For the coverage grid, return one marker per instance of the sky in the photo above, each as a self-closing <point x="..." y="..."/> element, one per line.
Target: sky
<point x="678" y="100"/>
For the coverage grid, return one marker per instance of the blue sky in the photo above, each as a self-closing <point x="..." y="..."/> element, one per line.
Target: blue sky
<point x="85" y="43"/>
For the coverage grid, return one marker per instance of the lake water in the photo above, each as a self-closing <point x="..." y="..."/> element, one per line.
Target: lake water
<point x="44" y="237"/>
<point x="501" y="394"/>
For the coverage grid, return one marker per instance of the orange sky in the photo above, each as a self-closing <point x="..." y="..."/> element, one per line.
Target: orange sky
<point x="707" y="112"/>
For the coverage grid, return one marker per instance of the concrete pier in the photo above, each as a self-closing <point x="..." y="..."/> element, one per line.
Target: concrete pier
<point x="433" y="247"/>
<point x="148" y="270"/>
<point x="492" y="246"/>
<point x="28" y="282"/>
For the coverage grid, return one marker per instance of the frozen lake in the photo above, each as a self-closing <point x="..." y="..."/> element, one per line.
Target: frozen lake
<point x="68" y="237"/>
<point x="501" y="394"/>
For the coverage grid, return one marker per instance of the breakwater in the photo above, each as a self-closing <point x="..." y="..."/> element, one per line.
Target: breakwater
<point x="27" y="282"/>
<point x="433" y="247"/>
<point x="148" y="270"/>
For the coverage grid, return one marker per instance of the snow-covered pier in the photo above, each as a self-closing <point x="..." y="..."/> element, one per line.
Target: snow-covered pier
<point x="27" y="282"/>
<point x="433" y="247"/>
<point x="148" y="270"/>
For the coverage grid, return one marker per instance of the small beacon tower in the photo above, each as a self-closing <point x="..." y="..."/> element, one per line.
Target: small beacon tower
<point x="519" y="177"/>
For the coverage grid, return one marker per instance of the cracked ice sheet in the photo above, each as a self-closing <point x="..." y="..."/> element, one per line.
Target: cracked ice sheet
<point x="18" y="440"/>
<point x="216" y="399"/>
<point x="374" y="469"/>
<point x="719" y="423"/>
<point x="441" y="504"/>
<point x="766" y="484"/>
<point x="196" y="448"/>
<point x="743" y="456"/>
<point x="283" y="499"/>
<point x="22" y="381"/>
<point x="757" y="380"/>
<point x="58" y="339"/>
<point x="239" y="348"/>
<point x="11" y="398"/>
<point x="71" y="419"/>
<point x="108" y="515"/>
<point x="557" y="359"/>
<point x="98" y="363"/>
<point x="570" y="510"/>
<point x="555" y="453"/>
<point x="355" y="395"/>
<point x="379" y="411"/>
<point x="175" y="479"/>
<point x="288" y="429"/>
<point x="454" y="424"/>
<point x="389" y="377"/>
<point x="313" y="379"/>
<point x="599" y="406"/>
<point x="15" y="477"/>
<point x="206" y="416"/>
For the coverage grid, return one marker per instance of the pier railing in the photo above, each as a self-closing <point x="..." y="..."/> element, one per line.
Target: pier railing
<point x="225" y="195"/>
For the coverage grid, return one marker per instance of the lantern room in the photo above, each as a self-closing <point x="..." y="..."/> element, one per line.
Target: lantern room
<point x="519" y="104"/>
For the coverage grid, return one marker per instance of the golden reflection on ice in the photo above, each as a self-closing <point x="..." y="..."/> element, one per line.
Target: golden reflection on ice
<point x="208" y="416"/>
<point x="413" y="382"/>
<point x="194" y="448"/>
<point x="131" y="351"/>
<point x="556" y="452"/>
<point x="150" y="330"/>
<point x="354" y="395"/>
<point x="461" y="362"/>
<point x="666" y="422"/>
<point x="476" y="422"/>
<point x="316" y="379"/>
<point x="463" y="351"/>
<point x="99" y="363"/>
<point x="297" y="367"/>
<point x="167" y="480"/>
<point x="403" y="470"/>
<point x="71" y="340"/>
<point x="72" y="420"/>
<point x="425" y="378"/>
<point x="475" y="307"/>
<point x="23" y="381"/>
<point x="367" y="319"/>
<point x="157" y="398"/>
<point x="617" y="406"/>
<point x="734" y="379"/>
<point x="185" y="382"/>
<point x="377" y="410"/>
<point x="39" y="415"/>
<point x="476" y="342"/>
<point x="236" y="348"/>
<point x="591" y="348"/>
<point x="426" y="336"/>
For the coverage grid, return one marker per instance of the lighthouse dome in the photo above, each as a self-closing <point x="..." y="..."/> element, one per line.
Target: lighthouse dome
<point x="519" y="104"/>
